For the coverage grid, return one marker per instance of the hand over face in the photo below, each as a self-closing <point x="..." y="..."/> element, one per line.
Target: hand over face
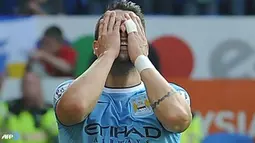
<point x="109" y="35"/>
<point x="137" y="42"/>
<point x="38" y="55"/>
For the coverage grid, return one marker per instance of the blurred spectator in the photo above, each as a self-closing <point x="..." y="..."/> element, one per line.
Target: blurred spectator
<point x="29" y="116"/>
<point x="40" y="7"/>
<point x="3" y="58"/>
<point x="169" y="7"/>
<point x="146" y="5"/>
<point x="194" y="134"/>
<point x="3" y="114"/>
<point x="53" y="57"/>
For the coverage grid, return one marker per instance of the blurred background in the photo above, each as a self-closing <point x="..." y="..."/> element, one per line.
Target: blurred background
<point x="207" y="46"/>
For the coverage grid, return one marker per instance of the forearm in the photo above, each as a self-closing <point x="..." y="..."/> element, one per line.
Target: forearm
<point x="58" y="63"/>
<point x="173" y="112"/>
<point x="83" y="94"/>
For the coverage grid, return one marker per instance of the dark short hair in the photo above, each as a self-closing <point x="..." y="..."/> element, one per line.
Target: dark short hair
<point x="122" y="5"/>
<point x="54" y="32"/>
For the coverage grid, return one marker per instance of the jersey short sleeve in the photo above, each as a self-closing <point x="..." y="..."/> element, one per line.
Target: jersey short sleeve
<point x="60" y="90"/>
<point x="182" y="91"/>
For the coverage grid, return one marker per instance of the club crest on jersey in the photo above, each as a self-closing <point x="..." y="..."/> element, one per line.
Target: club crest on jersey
<point x="141" y="106"/>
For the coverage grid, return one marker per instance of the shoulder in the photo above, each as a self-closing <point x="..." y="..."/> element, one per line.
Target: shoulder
<point x="177" y="87"/>
<point x="59" y="91"/>
<point x="181" y="90"/>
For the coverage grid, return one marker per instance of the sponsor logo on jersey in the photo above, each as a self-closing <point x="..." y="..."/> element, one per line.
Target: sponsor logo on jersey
<point x="123" y="134"/>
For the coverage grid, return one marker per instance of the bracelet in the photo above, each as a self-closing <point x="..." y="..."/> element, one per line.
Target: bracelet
<point x="142" y="62"/>
<point x="156" y="103"/>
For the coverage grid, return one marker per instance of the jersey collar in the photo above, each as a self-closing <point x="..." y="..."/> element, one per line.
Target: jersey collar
<point x="124" y="90"/>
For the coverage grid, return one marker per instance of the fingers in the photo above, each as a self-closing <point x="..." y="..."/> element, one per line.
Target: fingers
<point x="106" y="21"/>
<point x="134" y="29"/>
<point x="111" y="21"/>
<point x="134" y="18"/>
<point x="137" y="21"/>
<point x="101" y="25"/>
<point x="117" y="24"/>
<point x="127" y="17"/>
<point x="140" y="25"/>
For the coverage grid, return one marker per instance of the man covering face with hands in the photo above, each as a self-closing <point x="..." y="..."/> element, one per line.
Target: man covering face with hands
<point x="121" y="98"/>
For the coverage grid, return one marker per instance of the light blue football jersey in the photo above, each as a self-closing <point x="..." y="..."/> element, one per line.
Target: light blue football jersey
<point x="120" y="116"/>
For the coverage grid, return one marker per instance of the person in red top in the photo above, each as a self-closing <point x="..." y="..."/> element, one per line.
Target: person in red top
<point x="54" y="57"/>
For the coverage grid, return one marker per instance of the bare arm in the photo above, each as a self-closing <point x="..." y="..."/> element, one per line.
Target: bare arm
<point x="173" y="112"/>
<point x="58" y="63"/>
<point x="82" y="95"/>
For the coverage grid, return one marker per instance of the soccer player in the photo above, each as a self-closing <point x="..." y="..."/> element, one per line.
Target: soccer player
<point x="121" y="98"/>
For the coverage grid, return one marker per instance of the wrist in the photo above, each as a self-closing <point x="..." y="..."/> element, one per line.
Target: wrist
<point x="134" y="58"/>
<point x="142" y="62"/>
<point x="108" y="55"/>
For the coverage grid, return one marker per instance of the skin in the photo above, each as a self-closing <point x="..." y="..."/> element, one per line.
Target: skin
<point x="123" y="72"/>
<point x="33" y="99"/>
<point x="50" y="46"/>
<point x="82" y="95"/>
<point x="32" y="92"/>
